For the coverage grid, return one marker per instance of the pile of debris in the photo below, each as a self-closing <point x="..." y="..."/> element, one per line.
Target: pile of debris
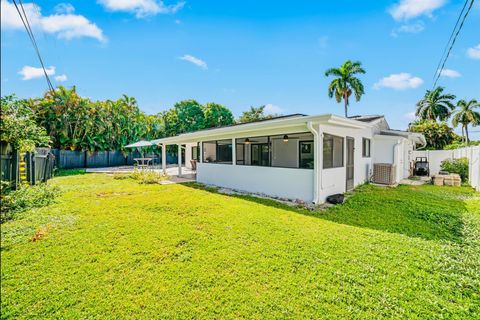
<point x="447" y="179"/>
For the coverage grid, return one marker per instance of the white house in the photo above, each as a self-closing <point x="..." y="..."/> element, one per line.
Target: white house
<point x="296" y="157"/>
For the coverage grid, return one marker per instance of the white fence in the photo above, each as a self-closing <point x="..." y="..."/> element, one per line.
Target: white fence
<point x="436" y="157"/>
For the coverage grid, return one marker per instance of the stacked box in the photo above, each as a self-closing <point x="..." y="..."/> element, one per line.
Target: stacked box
<point x="438" y="180"/>
<point x="453" y="180"/>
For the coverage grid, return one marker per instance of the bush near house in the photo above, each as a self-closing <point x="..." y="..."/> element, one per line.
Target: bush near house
<point x="24" y="198"/>
<point x="459" y="166"/>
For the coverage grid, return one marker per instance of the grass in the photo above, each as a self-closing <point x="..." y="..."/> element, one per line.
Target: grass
<point x="114" y="248"/>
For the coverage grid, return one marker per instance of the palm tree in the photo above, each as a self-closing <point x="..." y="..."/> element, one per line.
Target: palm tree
<point x="345" y="82"/>
<point x="435" y="105"/>
<point x="465" y="115"/>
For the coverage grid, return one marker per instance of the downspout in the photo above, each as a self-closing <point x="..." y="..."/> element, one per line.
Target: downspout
<point x="395" y="156"/>
<point x="316" y="167"/>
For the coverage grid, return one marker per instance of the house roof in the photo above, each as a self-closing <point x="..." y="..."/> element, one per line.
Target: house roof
<point x="367" y="118"/>
<point x="414" y="136"/>
<point x="287" y="124"/>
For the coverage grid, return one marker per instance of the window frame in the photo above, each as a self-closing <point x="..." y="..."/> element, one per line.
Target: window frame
<point x="364" y="153"/>
<point x="333" y="149"/>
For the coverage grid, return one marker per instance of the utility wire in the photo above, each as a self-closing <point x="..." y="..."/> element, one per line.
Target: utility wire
<point x="449" y="39"/>
<point x="26" y="24"/>
<point x="453" y="43"/>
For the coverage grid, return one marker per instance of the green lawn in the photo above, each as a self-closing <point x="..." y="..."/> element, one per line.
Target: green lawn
<point x="118" y="249"/>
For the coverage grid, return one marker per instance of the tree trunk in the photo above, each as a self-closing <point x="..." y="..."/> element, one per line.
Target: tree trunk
<point x="345" y="99"/>
<point x="466" y="133"/>
<point x="463" y="133"/>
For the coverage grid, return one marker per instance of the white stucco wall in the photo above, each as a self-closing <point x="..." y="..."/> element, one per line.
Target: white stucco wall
<point x="333" y="180"/>
<point x="277" y="182"/>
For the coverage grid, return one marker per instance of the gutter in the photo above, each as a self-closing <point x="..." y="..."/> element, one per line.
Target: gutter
<point x="317" y="178"/>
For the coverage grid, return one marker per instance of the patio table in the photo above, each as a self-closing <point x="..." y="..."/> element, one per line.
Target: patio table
<point x="143" y="162"/>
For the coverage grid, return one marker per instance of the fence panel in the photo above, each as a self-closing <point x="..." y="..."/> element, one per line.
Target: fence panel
<point x="435" y="158"/>
<point x="68" y="159"/>
<point x="116" y="158"/>
<point x="97" y="159"/>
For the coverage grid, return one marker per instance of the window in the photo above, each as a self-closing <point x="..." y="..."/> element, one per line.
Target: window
<point x="366" y="143"/>
<point x="195" y="153"/>
<point x="332" y="151"/>
<point x="219" y="151"/>
<point x="306" y="154"/>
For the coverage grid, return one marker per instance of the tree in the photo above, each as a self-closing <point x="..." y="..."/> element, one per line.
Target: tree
<point x="190" y="116"/>
<point x="346" y="83"/>
<point x="465" y="115"/>
<point x="435" y="105"/>
<point x="18" y="126"/>
<point x="254" y="114"/>
<point x="217" y="115"/>
<point x="437" y="134"/>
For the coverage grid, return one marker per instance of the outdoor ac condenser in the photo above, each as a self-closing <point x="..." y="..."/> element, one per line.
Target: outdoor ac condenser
<point x="384" y="173"/>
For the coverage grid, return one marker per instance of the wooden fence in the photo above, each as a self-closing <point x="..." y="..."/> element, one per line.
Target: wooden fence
<point x="38" y="166"/>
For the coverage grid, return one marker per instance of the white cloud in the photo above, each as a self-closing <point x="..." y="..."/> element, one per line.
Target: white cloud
<point x="64" y="8"/>
<point x="29" y="72"/>
<point x="273" y="109"/>
<point x="409" y="28"/>
<point x="449" y="73"/>
<point x="400" y="81"/>
<point x="63" y="23"/>
<point x="61" y="78"/>
<point x="142" y="8"/>
<point x="410" y="115"/>
<point x="408" y="9"/>
<point x="196" y="61"/>
<point x="474" y="52"/>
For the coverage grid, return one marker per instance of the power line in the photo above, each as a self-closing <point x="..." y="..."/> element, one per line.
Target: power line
<point x="26" y="24"/>
<point x="449" y="39"/>
<point x="453" y="43"/>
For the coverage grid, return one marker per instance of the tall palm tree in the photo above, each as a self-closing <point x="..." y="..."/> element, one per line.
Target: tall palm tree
<point x="435" y="105"/>
<point x="345" y="82"/>
<point x="465" y="115"/>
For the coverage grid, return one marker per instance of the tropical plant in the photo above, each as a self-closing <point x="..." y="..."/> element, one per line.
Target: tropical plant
<point x="465" y="115"/>
<point x="435" y="105"/>
<point x="459" y="166"/>
<point x="254" y="114"/>
<point x="190" y="116"/>
<point x="437" y="134"/>
<point x="216" y="115"/>
<point x="18" y="126"/>
<point x="346" y="83"/>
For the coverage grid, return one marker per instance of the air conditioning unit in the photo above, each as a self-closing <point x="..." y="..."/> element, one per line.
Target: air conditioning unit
<point x="384" y="173"/>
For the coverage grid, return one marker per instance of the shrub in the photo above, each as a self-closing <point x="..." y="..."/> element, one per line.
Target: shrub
<point x="459" y="144"/>
<point x="143" y="176"/>
<point x="26" y="197"/>
<point x="459" y="166"/>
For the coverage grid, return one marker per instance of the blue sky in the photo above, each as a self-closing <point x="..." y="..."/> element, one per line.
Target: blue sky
<point x="243" y="53"/>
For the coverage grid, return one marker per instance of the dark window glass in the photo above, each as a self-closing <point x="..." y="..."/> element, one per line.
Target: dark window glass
<point x="306" y="154"/>
<point x="217" y="151"/>
<point x="366" y="148"/>
<point x="332" y="151"/>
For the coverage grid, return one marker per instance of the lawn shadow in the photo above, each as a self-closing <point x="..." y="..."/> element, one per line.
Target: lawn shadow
<point x="416" y="211"/>
<point x="69" y="172"/>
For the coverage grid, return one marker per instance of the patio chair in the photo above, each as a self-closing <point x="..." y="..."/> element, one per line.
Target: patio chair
<point x="194" y="165"/>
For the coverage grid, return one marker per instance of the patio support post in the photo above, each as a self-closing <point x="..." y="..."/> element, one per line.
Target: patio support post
<point x="164" y="158"/>
<point x="234" y="152"/>
<point x="200" y="145"/>
<point x="179" y="159"/>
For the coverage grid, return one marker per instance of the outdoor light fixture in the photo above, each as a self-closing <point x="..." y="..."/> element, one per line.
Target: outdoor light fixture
<point x="285" y="138"/>
<point x="247" y="141"/>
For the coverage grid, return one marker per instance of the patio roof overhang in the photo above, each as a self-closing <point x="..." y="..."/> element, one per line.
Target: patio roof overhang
<point x="416" y="137"/>
<point x="270" y="127"/>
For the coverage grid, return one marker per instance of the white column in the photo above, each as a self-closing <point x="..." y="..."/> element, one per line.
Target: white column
<point x="179" y="159"/>
<point x="164" y="158"/>
<point x="234" y="152"/>
<point x="200" y="145"/>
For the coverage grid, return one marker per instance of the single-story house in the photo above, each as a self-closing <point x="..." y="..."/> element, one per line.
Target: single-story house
<point x="296" y="157"/>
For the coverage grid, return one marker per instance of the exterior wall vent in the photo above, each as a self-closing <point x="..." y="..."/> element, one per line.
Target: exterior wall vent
<point x="384" y="173"/>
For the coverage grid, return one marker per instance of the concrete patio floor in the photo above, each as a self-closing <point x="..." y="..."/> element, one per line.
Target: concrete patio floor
<point x="188" y="175"/>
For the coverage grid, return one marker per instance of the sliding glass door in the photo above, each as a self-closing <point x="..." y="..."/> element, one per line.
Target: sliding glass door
<point x="260" y="154"/>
